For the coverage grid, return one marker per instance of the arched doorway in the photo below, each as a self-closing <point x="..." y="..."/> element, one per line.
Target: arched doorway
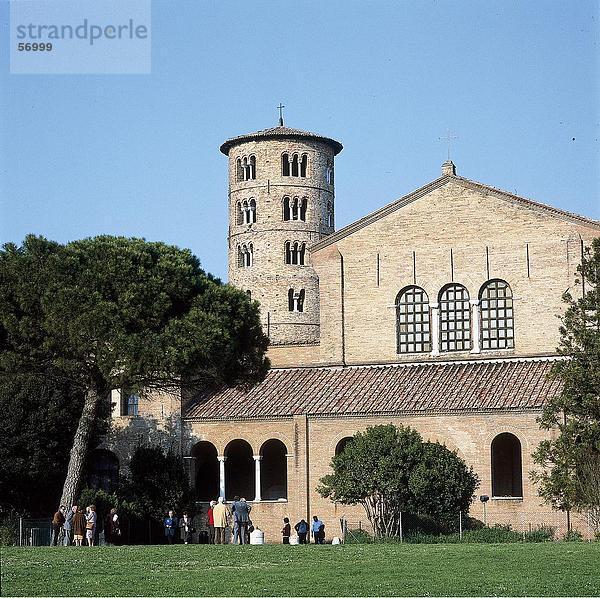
<point x="206" y="471"/>
<point x="103" y="470"/>
<point x="507" y="474"/>
<point x="341" y="445"/>
<point x="239" y="470"/>
<point x="273" y="470"/>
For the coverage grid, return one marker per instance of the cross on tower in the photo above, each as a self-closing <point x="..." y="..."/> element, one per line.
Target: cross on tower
<point x="281" y="107"/>
<point x="449" y="138"/>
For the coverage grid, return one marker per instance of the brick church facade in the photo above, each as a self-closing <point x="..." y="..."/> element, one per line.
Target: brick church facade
<point x="438" y="311"/>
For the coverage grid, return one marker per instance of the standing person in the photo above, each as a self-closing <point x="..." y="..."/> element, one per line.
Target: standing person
<point x="318" y="530"/>
<point x="210" y="521"/>
<point x="90" y="524"/>
<point x="286" y="530"/>
<point x="68" y="525"/>
<point x="115" y="527"/>
<point x="220" y="517"/>
<point x="170" y="524"/>
<point x="78" y="526"/>
<point x="186" y="528"/>
<point x="241" y="516"/>
<point x="302" y="528"/>
<point x="57" y="524"/>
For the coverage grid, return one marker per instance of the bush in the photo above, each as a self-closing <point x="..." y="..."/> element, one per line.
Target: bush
<point x="573" y="536"/>
<point x="358" y="536"/>
<point x="544" y="533"/>
<point x="9" y="528"/>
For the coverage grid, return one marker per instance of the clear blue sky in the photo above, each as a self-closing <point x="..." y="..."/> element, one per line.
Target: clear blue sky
<point x="138" y="155"/>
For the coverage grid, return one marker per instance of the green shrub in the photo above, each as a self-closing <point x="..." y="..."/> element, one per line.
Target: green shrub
<point x="497" y="534"/>
<point x="573" y="536"/>
<point x="544" y="533"/>
<point x="358" y="536"/>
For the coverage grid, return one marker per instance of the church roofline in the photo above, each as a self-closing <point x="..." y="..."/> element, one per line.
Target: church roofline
<point x="280" y="132"/>
<point x="436" y="184"/>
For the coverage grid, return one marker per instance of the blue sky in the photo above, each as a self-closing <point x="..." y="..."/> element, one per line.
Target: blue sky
<point x="138" y="155"/>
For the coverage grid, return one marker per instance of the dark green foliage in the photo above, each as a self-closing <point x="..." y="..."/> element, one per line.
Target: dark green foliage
<point x="573" y="536"/>
<point x="569" y="474"/>
<point x="109" y="312"/>
<point x="390" y="470"/>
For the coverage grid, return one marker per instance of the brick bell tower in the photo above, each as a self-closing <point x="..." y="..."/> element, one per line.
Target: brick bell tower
<point x="281" y="201"/>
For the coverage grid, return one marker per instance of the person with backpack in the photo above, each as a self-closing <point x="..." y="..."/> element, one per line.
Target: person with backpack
<point x="302" y="530"/>
<point x="318" y="530"/>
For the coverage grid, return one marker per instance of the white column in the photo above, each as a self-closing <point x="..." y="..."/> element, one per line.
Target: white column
<point x="476" y="320"/>
<point x="435" y="328"/>
<point x="222" y="459"/>
<point x="257" y="460"/>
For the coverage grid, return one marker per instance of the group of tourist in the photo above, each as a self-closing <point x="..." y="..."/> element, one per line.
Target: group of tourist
<point x="74" y="526"/>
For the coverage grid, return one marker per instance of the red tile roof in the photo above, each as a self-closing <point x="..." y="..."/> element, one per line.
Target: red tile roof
<point x="409" y="388"/>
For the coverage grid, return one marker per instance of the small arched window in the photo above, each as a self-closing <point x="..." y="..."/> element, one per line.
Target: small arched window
<point x="252" y="211"/>
<point x="131" y="404"/>
<point x="412" y="321"/>
<point x="239" y="170"/>
<point x="285" y="164"/>
<point x="329" y="175"/>
<point x="497" y="321"/>
<point x="303" y="165"/>
<point x="286" y="209"/>
<point x="296" y="300"/>
<point x="295" y="165"/>
<point x="245" y="255"/>
<point x="507" y="471"/>
<point x="249" y="294"/>
<point x="455" y="318"/>
<point x="295" y="253"/>
<point x="329" y="214"/>
<point x="302" y="211"/>
<point x="239" y="213"/>
<point x="252" y="168"/>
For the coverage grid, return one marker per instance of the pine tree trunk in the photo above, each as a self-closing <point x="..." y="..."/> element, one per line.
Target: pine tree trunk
<point x="80" y="447"/>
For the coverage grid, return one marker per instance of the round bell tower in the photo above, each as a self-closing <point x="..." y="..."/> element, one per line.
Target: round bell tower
<point x="281" y="201"/>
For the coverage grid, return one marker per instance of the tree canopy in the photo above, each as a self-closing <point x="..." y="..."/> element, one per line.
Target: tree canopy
<point x="390" y="470"/>
<point x="569" y="463"/>
<point x="112" y="312"/>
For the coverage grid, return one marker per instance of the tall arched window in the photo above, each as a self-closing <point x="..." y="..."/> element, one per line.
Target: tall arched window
<point x="455" y="318"/>
<point x="412" y="321"/>
<point x="245" y="255"/>
<point x="251" y="211"/>
<point x="303" y="165"/>
<point x="239" y="470"/>
<point x="497" y="320"/>
<point x="239" y="213"/>
<point x="507" y="474"/>
<point x="341" y="445"/>
<point x="285" y="164"/>
<point x="295" y="165"/>
<point x="273" y="470"/>
<point x="239" y="170"/>
<point x="252" y="168"/>
<point x="207" y="471"/>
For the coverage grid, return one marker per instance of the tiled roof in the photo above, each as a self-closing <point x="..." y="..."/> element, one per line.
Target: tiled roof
<point x="277" y="132"/>
<point x="416" y="388"/>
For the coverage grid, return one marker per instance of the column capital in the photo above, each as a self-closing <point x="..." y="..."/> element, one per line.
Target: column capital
<point x="221" y="458"/>
<point x="434" y="305"/>
<point x="474" y="301"/>
<point x="257" y="457"/>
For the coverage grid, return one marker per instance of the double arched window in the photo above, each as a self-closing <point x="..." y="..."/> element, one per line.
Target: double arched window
<point x="295" y="253"/>
<point x="294" y="208"/>
<point x="246" y="168"/>
<point x="294" y="164"/>
<point x="246" y="211"/>
<point x="245" y="255"/>
<point x="497" y="317"/>
<point x="455" y="318"/>
<point x="296" y="300"/>
<point x="412" y="321"/>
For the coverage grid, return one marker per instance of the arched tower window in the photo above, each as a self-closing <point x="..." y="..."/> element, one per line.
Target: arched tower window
<point x="252" y="211"/>
<point x="273" y="470"/>
<point x="239" y="170"/>
<point x="329" y="175"/>
<point x="296" y="300"/>
<point x="303" y="206"/>
<point x="412" y="321"/>
<point x="239" y="213"/>
<point x="329" y="214"/>
<point x="286" y="209"/>
<point x="497" y="321"/>
<point x="252" y="168"/>
<point x="249" y="294"/>
<point x="507" y="471"/>
<point x="285" y="164"/>
<point x="303" y="165"/>
<point x="295" y="165"/>
<point x="245" y="255"/>
<point x="455" y="318"/>
<point x="295" y="253"/>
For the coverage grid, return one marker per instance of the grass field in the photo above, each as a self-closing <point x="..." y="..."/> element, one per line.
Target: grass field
<point x="547" y="569"/>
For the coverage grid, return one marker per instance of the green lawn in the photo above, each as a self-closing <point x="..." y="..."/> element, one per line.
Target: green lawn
<point x="547" y="569"/>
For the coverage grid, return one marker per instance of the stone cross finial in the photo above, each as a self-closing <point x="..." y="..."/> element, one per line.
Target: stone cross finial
<point x="449" y="138"/>
<point x="281" y="107"/>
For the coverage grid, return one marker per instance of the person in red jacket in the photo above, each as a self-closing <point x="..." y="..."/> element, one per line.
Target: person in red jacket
<point x="210" y="520"/>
